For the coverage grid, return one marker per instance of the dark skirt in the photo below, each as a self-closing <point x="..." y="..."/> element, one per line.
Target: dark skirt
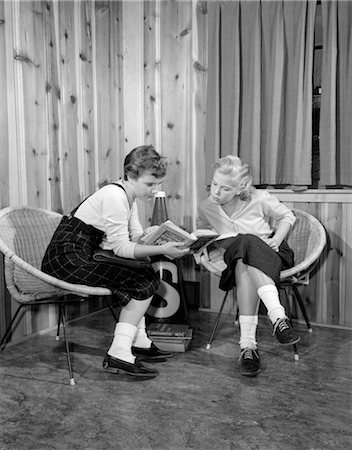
<point x="256" y="253"/>
<point x="69" y="258"/>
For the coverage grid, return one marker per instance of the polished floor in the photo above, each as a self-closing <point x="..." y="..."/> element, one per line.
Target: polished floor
<point x="199" y="400"/>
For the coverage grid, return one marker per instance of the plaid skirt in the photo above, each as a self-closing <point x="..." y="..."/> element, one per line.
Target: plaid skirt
<point x="69" y="258"/>
<point x="256" y="253"/>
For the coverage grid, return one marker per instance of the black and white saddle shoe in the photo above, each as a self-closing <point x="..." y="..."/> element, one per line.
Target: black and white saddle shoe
<point x="249" y="362"/>
<point x="115" y="365"/>
<point x="284" y="332"/>
<point x="152" y="354"/>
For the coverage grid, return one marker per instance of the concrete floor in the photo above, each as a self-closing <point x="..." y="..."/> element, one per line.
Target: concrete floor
<point x="199" y="400"/>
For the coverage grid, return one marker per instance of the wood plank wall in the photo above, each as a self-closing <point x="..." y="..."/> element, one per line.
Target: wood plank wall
<point x="88" y="81"/>
<point x="327" y="297"/>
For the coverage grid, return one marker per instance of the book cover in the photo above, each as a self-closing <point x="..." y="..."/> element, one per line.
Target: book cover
<point x="176" y="339"/>
<point x="176" y="347"/>
<point x="174" y="344"/>
<point x="167" y="329"/>
<point x="169" y="232"/>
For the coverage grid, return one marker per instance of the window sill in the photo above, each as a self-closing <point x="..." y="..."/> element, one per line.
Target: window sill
<point x="314" y="195"/>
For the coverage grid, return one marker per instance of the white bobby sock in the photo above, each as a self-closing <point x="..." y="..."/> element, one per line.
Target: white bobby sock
<point x="270" y="297"/>
<point x="122" y="342"/>
<point x="248" y="330"/>
<point x="141" y="338"/>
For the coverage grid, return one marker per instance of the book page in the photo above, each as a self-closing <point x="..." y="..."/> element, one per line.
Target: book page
<point x="172" y="236"/>
<point x="168" y="232"/>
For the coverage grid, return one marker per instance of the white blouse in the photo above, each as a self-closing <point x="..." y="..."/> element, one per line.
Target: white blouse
<point x="108" y="210"/>
<point x="257" y="216"/>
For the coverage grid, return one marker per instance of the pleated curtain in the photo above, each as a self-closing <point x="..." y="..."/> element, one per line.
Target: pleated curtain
<point x="336" y="94"/>
<point x="259" y="103"/>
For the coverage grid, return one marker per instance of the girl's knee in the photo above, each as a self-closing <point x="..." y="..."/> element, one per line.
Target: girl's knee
<point x="250" y="239"/>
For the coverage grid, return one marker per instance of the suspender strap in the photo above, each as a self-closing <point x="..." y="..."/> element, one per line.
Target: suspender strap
<point x="75" y="209"/>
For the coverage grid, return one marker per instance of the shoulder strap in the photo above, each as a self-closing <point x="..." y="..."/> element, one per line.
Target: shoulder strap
<point x="75" y="209"/>
<point x="128" y="198"/>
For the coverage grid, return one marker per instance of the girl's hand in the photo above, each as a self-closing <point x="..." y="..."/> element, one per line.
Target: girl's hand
<point x="272" y="243"/>
<point x="174" y="249"/>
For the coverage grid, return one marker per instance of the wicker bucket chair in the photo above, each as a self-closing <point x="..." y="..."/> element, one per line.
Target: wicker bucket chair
<point x="25" y="233"/>
<point x="307" y="239"/>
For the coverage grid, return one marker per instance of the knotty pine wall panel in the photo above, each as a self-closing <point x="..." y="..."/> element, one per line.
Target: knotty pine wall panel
<point x="327" y="296"/>
<point x="175" y="89"/>
<point x="30" y="79"/>
<point x="152" y="82"/>
<point x="85" y="112"/>
<point x="68" y="62"/>
<point x="53" y="96"/>
<point x="88" y="81"/>
<point x="4" y="143"/>
<point x="108" y="98"/>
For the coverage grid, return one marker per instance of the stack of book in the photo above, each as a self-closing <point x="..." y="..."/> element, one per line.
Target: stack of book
<point x="171" y="337"/>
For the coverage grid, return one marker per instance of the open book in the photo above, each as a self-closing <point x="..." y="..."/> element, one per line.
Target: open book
<point x="169" y="232"/>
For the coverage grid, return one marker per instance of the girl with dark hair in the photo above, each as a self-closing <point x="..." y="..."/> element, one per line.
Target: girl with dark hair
<point x="254" y="225"/>
<point x="109" y="219"/>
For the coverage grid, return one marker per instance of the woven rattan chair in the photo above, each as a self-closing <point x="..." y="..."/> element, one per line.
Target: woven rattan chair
<point x="307" y="239"/>
<point x="25" y="233"/>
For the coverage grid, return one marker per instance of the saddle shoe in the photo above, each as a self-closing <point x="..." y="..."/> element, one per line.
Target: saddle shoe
<point x="284" y="332"/>
<point x="249" y="362"/>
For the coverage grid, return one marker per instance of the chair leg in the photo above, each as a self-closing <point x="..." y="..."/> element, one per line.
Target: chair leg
<point x="9" y="329"/>
<point x="303" y="309"/>
<point x="237" y="316"/>
<point x="58" y="324"/>
<point x="113" y="313"/>
<point x="63" y="320"/>
<point x="215" y="326"/>
<point x="289" y="315"/>
<point x="295" y="349"/>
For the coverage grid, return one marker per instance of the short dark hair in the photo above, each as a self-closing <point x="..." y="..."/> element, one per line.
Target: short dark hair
<point x="144" y="159"/>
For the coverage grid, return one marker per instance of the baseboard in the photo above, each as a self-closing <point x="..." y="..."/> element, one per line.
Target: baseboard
<point x="300" y="321"/>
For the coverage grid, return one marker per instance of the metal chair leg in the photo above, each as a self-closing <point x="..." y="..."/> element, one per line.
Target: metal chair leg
<point x="113" y="313"/>
<point x="63" y="319"/>
<point x="303" y="309"/>
<point x="58" y="324"/>
<point x="289" y="315"/>
<point x="215" y="326"/>
<point x="9" y="329"/>
<point x="237" y="316"/>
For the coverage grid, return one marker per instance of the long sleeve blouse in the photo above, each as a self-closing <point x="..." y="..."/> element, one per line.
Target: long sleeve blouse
<point x="258" y="216"/>
<point x="112" y="211"/>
